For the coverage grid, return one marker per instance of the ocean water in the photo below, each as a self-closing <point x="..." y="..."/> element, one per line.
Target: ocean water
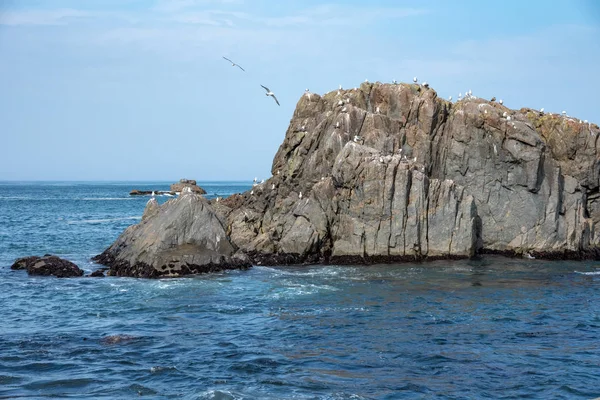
<point x="490" y="328"/>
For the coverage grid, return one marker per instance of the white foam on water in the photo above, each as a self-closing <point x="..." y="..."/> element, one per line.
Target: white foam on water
<point x="106" y="198"/>
<point x="588" y="273"/>
<point x="99" y="221"/>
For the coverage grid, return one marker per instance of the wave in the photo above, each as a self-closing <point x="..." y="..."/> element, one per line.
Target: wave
<point x="106" y="198"/>
<point x="588" y="273"/>
<point x="99" y="221"/>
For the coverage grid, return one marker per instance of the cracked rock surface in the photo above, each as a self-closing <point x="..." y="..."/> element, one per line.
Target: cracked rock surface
<point x="392" y="172"/>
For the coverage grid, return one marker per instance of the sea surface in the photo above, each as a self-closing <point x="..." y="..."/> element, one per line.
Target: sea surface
<point x="494" y="328"/>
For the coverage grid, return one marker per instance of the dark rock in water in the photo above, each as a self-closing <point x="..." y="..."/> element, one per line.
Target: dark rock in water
<point x="389" y="173"/>
<point x="117" y="339"/>
<point x="99" y="273"/>
<point x="174" y="189"/>
<point x="183" y="183"/>
<point x="48" y="265"/>
<point x="22" y="263"/>
<point x="183" y="236"/>
<point x="136" y="192"/>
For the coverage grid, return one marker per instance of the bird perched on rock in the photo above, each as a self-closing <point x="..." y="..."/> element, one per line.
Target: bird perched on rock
<point x="415" y="80"/>
<point x="493" y="99"/>
<point x="300" y="195"/>
<point x="234" y="64"/>
<point x="269" y="93"/>
<point x="449" y="98"/>
<point x="425" y="84"/>
<point x="542" y="110"/>
<point x="500" y="101"/>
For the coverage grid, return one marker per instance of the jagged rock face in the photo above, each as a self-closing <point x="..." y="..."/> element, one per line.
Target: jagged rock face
<point x="393" y="171"/>
<point x="181" y="237"/>
<point x="385" y="173"/>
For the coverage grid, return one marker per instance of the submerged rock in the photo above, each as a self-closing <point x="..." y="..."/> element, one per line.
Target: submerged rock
<point x="48" y="265"/>
<point x="183" y="236"/>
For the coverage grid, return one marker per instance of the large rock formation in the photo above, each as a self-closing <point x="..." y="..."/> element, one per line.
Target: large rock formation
<point x="392" y="172"/>
<point x="183" y="236"/>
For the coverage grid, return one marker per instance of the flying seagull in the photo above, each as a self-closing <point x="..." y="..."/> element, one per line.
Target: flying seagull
<point x="234" y="64"/>
<point x="269" y="93"/>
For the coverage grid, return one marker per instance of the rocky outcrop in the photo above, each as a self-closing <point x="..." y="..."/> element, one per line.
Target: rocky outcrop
<point x="189" y="183"/>
<point x="175" y="189"/>
<point x="47" y="265"/>
<point x="392" y="172"/>
<point x="183" y="236"/>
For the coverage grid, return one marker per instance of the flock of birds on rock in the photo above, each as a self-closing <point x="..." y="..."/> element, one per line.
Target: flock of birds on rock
<point x="468" y="94"/>
<point x="358" y="139"/>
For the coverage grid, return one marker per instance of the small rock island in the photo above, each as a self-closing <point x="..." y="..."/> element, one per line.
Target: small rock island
<point x="175" y="189"/>
<point x="387" y="173"/>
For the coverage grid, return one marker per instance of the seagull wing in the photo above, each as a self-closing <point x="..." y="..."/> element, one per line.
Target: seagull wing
<point x="229" y="60"/>
<point x="275" y="98"/>
<point x="266" y="88"/>
<point x="240" y="67"/>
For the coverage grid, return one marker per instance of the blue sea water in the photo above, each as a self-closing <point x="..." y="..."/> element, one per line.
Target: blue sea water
<point x="491" y="328"/>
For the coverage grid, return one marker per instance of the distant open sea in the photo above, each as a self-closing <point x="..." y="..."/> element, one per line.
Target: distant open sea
<point x="494" y="328"/>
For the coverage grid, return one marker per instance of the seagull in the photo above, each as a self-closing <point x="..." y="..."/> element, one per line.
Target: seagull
<point x="377" y="110"/>
<point x="395" y="82"/>
<point x="564" y="113"/>
<point x="542" y="109"/>
<point x="300" y="195"/>
<point x="450" y="98"/>
<point x="273" y="187"/>
<point x="153" y="193"/>
<point x="415" y="80"/>
<point x="306" y="93"/>
<point x="500" y="101"/>
<point x="234" y="64"/>
<point x="337" y="124"/>
<point x="269" y="93"/>
<point x="340" y="87"/>
<point x="426" y="84"/>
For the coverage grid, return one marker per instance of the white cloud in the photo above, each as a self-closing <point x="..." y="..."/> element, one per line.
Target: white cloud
<point x="41" y="17"/>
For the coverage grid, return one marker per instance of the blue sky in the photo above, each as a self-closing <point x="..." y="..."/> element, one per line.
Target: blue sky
<point x="137" y="89"/>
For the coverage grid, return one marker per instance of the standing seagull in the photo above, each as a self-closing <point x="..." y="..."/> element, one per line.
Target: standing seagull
<point x="269" y="93"/>
<point x="234" y="64"/>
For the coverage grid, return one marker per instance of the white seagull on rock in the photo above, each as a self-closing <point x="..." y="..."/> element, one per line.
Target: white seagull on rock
<point x="415" y="80"/>
<point x="269" y="93"/>
<point x="234" y="64"/>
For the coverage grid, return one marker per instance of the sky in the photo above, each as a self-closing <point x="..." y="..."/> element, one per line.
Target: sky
<point x="138" y="89"/>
